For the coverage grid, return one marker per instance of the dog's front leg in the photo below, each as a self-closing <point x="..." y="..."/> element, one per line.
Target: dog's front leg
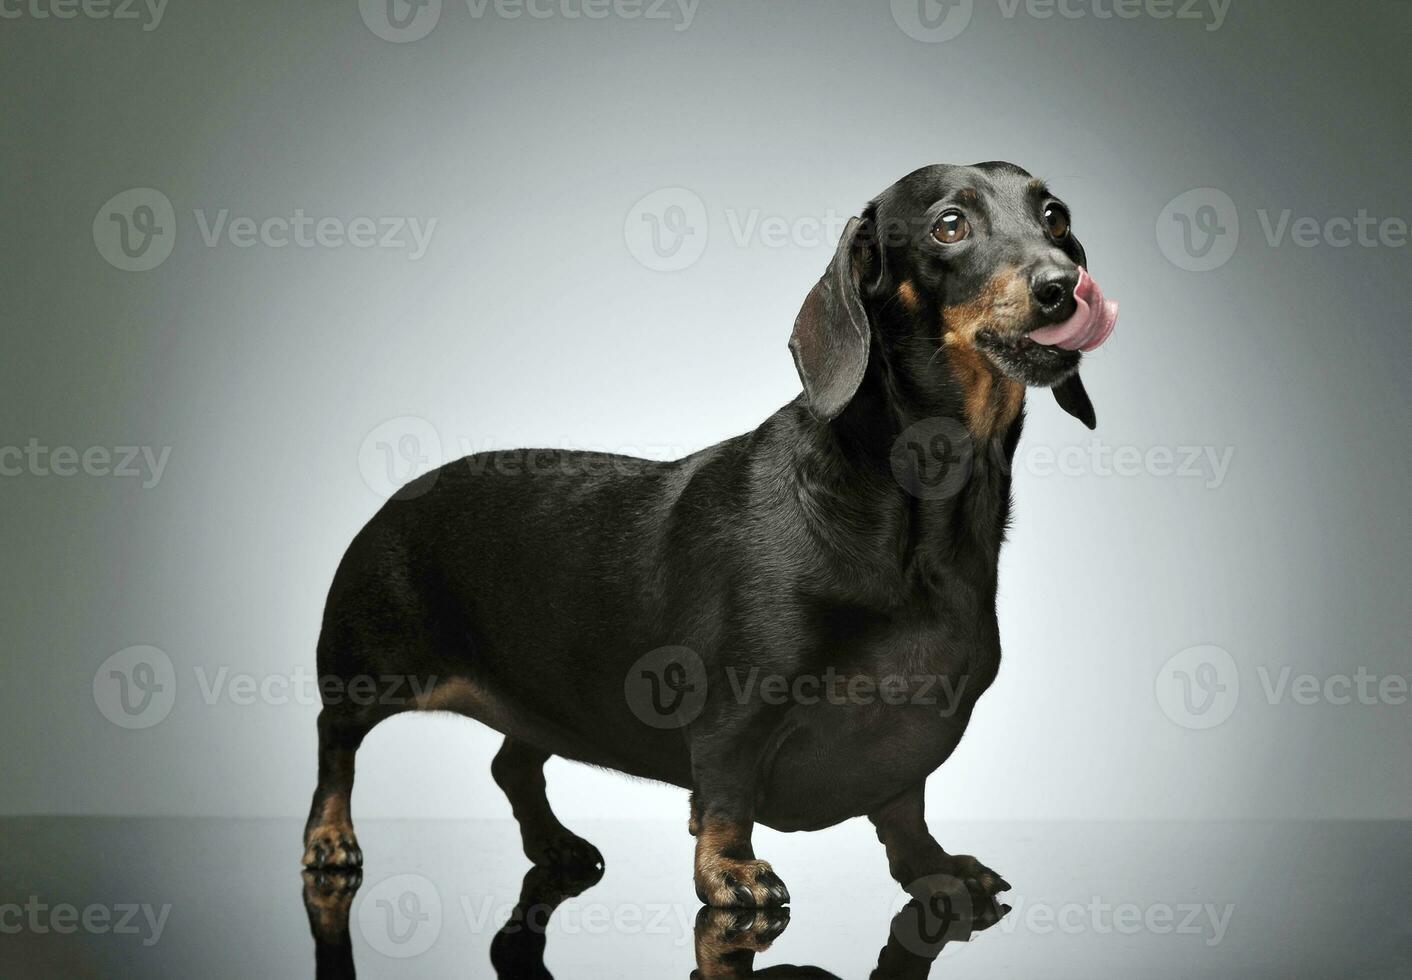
<point x="728" y="875"/>
<point x="913" y="854"/>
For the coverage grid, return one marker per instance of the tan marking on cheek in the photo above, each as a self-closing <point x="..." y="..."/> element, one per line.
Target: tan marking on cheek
<point x="1001" y="304"/>
<point x="1012" y="400"/>
<point x="907" y="293"/>
<point x="992" y="401"/>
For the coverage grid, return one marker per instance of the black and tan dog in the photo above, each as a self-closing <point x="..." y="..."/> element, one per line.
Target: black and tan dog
<point x="826" y="582"/>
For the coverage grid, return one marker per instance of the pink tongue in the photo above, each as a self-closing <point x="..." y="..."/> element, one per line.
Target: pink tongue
<point x="1091" y="323"/>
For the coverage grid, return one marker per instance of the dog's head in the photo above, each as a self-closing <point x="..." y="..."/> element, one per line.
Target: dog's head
<point x="970" y="282"/>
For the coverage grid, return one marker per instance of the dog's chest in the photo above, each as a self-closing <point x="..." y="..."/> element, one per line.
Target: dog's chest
<point x="933" y="646"/>
<point x="870" y="721"/>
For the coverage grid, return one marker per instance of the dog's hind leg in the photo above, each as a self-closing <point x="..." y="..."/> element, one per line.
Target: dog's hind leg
<point x="914" y="855"/>
<point x="329" y="841"/>
<point x="518" y="768"/>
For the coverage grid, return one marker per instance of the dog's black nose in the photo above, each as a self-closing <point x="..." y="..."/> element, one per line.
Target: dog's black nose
<point x="1053" y="291"/>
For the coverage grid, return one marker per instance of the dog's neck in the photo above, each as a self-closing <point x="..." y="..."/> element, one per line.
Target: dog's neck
<point x="898" y="441"/>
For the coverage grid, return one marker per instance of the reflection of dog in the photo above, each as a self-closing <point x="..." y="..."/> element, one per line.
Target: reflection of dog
<point x="517" y="951"/>
<point x="328" y="897"/>
<point x="726" y="939"/>
<point x="525" y="586"/>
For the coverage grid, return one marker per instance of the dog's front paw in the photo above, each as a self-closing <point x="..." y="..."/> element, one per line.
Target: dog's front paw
<point x="330" y="846"/>
<point x="727" y="883"/>
<point x="565" y="850"/>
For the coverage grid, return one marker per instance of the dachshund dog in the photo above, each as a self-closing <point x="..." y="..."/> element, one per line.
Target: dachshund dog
<point x="794" y="624"/>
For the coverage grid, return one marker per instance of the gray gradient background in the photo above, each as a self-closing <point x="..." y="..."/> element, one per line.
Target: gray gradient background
<point x="528" y="321"/>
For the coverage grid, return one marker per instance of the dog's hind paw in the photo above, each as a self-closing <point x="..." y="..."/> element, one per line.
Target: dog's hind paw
<point x="961" y="867"/>
<point x="971" y="871"/>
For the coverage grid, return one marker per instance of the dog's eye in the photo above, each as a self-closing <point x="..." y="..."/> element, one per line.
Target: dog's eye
<point x="1056" y="221"/>
<point x="951" y="227"/>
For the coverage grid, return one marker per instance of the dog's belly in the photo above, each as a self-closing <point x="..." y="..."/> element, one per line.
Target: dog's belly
<point x="831" y="762"/>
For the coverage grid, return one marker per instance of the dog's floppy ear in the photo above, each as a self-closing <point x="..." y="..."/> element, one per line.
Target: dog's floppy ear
<point x="831" y="335"/>
<point x="1072" y="398"/>
<point x="1070" y="393"/>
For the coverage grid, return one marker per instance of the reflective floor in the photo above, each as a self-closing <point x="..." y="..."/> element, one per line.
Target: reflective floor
<point x="225" y="898"/>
